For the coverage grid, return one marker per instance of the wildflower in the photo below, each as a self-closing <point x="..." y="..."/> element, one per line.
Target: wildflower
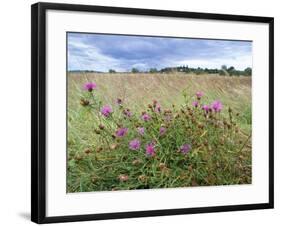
<point x="90" y="86"/>
<point x="121" y="132"/>
<point x="195" y="104"/>
<point x="206" y="108"/>
<point x="134" y="144"/>
<point x="106" y="110"/>
<point x="123" y="177"/>
<point x="141" y="130"/>
<point x="162" y="131"/>
<point x="185" y="148"/>
<point x="118" y="101"/>
<point x="150" y="149"/>
<point x="84" y="102"/>
<point x="156" y="106"/>
<point x="145" y="117"/>
<point x="127" y="113"/>
<point x="217" y="106"/>
<point x="199" y="94"/>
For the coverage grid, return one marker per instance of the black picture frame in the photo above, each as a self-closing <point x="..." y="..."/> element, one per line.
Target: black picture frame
<point x="38" y="111"/>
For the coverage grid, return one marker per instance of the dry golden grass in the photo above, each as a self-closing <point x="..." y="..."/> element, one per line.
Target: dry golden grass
<point x="139" y="89"/>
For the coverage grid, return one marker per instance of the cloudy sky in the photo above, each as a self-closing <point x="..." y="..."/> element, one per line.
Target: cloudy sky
<point x="122" y="53"/>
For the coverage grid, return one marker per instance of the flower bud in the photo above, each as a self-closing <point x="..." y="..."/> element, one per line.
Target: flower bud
<point x="101" y="127"/>
<point x="87" y="151"/>
<point x="84" y="102"/>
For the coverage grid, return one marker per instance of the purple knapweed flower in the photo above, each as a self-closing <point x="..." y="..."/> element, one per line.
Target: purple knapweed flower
<point x="127" y="113"/>
<point x="157" y="107"/>
<point x="106" y="110"/>
<point x="185" y="148"/>
<point x="150" y="149"/>
<point x="205" y="107"/>
<point x="90" y="86"/>
<point x="134" y="144"/>
<point x="199" y="94"/>
<point x="162" y="131"/>
<point x="217" y="106"/>
<point x="145" y="117"/>
<point x="141" y="130"/>
<point x="195" y="104"/>
<point x="121" y="132"/>
<point x="118" y="101"/>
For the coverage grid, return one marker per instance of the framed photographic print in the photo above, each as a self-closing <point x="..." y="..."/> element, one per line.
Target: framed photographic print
<point x="140" y="112"/>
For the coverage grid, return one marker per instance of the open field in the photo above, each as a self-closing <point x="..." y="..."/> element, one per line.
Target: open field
<point x="220" y="142"/>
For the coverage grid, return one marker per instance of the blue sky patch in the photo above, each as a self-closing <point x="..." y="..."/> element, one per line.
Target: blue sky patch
<point x="122" y="52"/>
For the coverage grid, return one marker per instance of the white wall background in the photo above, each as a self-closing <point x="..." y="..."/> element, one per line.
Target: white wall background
<point x="15" y="111"/>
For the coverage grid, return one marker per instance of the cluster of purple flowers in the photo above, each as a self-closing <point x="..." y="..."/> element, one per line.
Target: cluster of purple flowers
<point x="135" y="144"/>
<point x="216" y="106"/>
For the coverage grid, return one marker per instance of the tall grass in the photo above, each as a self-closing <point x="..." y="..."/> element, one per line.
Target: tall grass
<point x="219" y="143"/>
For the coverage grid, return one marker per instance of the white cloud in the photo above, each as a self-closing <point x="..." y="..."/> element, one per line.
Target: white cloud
<point x="90" y="58"/>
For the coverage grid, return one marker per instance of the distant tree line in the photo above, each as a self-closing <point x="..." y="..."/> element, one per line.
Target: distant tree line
<point x="224" y="70"/>
<point x="231" y="71"/>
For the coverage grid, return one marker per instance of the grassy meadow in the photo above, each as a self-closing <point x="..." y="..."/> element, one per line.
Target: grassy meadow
<point x="167" y="140"/>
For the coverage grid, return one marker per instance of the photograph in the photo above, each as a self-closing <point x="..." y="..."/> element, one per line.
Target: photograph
<point x="152" y="112"/>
